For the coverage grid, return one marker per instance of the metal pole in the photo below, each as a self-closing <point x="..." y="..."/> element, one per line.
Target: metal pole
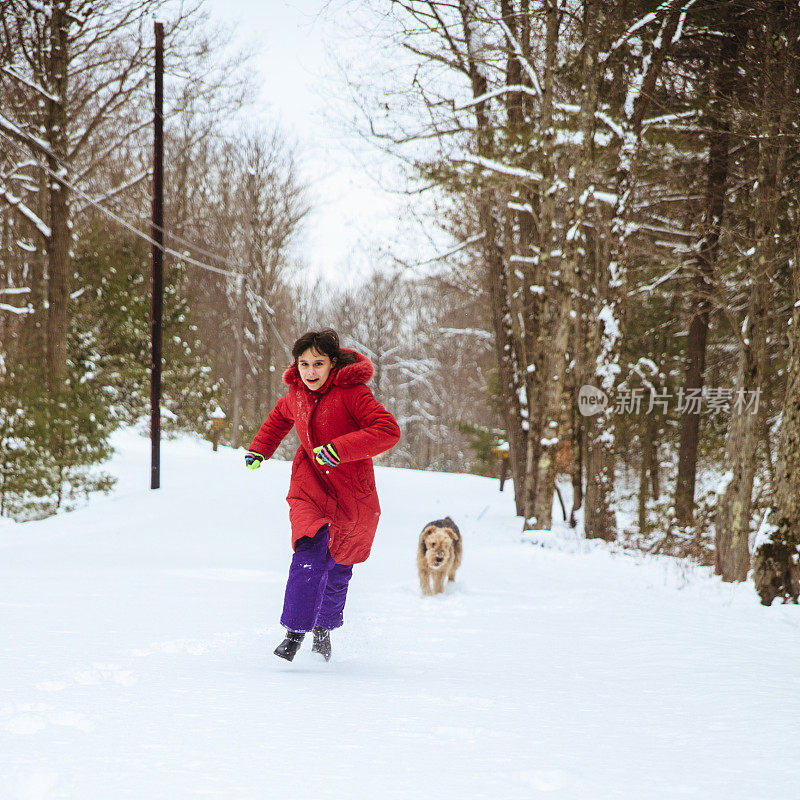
<point x="158" y="264"/>
<point x="242" y="320"/>
<point x="237" y="364"/>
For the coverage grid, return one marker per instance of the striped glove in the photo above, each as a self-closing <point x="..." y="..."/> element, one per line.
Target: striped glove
<point x="253" y="460"/>
<point x="326" y="456"/>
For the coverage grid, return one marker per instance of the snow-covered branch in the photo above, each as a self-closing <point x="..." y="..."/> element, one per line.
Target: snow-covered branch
<point x="16" y="309"/>
<point x="526" y="65"/>
<point x="30" y="84"/>
<point x="16" y="202"/>
<point x="517" y="88"/>
<point x="499" y="167"/>
<point x="467" y="332"/>
<point x="16" y="134"/>
<point x="664" y="118"/>
<point x="466" y="243"/>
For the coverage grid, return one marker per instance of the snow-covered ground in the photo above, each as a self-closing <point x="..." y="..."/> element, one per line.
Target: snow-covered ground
<point x="136" y="639"/>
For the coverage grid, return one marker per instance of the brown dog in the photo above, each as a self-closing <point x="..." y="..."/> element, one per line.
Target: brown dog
<point x="438" y="555"/>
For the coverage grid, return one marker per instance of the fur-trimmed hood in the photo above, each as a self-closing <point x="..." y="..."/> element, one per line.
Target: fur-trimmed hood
<point x="349" y="375"/>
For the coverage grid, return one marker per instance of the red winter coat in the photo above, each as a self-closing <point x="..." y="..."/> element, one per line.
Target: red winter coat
<point x="343" y="413"/>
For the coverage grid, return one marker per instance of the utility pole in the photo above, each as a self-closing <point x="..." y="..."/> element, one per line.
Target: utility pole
<point x="157" y="308"/>
<point x="241" y="321"/>
<point x="237" y="364"/>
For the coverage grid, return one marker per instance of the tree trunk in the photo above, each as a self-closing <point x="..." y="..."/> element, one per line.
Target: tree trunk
<point x="520" y="324"/>
<point x="270" y="369"/>
<point x="560" y="323"/>
<point x="600" y="518"/>
<point x="512" y="389"/>
<point x="537" y="341"/>
<point x="34" y="334"/>
<point x="777" y="546"/>
<point x="648" y="466"/>
<point x="59" y="255"/>
<point x="734" y="507"/>
<point x="577" y="463"/>
<point x="716" y="186"/>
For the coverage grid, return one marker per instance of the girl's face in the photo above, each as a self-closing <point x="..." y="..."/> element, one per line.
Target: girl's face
<point x="314" y="368"/>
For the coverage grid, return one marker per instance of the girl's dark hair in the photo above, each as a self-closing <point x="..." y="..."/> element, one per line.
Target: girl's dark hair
<point x="326" y="342"/>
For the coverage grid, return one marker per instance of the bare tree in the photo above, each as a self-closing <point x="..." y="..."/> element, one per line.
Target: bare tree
<point x="74" y="79"/>
<point x="772" y="121"/>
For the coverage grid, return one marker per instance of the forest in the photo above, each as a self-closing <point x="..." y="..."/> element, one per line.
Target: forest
<point x="618" y="305"/>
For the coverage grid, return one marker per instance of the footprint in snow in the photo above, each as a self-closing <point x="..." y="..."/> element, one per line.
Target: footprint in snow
<point x="28" y="720"/>
<point x="106" y="673"/>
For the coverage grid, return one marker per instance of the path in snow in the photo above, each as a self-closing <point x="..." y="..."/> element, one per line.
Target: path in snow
<point x="135" y="656"/>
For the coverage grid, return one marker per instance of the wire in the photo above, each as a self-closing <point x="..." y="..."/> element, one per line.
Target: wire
<point x="134" y="230"/>
<point x="168" y="233"/>
<point x="131" y="212"/>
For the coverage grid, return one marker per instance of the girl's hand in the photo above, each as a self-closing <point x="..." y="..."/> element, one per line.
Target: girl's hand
<point x="253" y="460"/>
<point x="326" y="456"/>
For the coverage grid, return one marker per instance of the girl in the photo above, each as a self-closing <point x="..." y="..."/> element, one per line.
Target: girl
<point x="333" y="505"/>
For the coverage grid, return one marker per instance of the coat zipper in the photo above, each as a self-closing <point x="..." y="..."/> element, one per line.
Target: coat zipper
<point x="316" y="400"/>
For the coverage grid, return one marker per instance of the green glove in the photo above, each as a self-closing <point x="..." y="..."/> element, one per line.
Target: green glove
<point x="326" y="456"/>
<point x="253" y="460"/>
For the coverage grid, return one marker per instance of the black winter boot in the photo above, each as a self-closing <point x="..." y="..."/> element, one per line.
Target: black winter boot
<point x="322" y="642"/>
<point x="290" y="645"/>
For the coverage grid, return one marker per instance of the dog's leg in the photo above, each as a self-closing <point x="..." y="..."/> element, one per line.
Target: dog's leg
<point x="439" y="578"/>
<point x="424" y="582"/>
<point x="451" y="569"/>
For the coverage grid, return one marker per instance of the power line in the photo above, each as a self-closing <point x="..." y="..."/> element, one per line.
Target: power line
<point x="68" y="168"/>
<point x="151" y="241"/>
<point x="131" y="228"/>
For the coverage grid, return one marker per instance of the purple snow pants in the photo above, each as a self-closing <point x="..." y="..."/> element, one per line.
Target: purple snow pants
<point x="317" y="586"/>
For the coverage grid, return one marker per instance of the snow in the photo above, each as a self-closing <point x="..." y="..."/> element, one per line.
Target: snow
<point x="16" y="309"/>
<point x="497" y="166"/>
<point x="766" y="530"/>
<point x="610" y="325"/>
<point x="645" y="20"/>
<point x="516" y="88"/>
<point x="137" y="636"/>
<point x="666" y="118"/>
<point x="30" y="84"/>
<point x="724" y="482"/>
<point x="477" y="332"/>
<point x="25" y="211"/>
<point x="605" y="197"/>
<point x="525" y="62"/>
<point x="615" y="127"/>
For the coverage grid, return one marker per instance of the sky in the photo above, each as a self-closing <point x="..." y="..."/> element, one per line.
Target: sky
<point x="294" y="46"/>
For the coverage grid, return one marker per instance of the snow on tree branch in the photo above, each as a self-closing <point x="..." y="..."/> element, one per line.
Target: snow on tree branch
<point x="16" y="202"/>
<point x="30" y="84"/>
<point x="15" y="309"/>
<point x="526" y="65"/>
<point x="502" y="169"/>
